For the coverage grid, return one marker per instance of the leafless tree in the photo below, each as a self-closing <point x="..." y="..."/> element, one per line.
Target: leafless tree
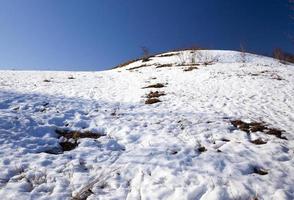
<point x="243" y="54"/>
<point x="278" y="53"/>
<point x="146" y="54"/>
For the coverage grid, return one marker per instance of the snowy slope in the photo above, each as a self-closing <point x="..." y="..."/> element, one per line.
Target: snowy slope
<point x="184" y="147"/>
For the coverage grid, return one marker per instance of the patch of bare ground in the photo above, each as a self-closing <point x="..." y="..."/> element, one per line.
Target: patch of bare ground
<point x="225" y="140"/>
<point x="257" y="127"/>
<point x="260" y="171"/>
<point x="70" y="139"/>
<point x="155" y="94"/>
<point x="138" y="67"/>
<point x="258" y="141"/>
<point x="77" y="134"/>
<point x="266" y="73"/>
<point x="201" y="149"/>
<point x="152" y="101"/>
<point x="190" y="69"/>
<point x="168" y="55"/>
<point x="164" y="65"/>
<point x="276" y="132"/>
<point x="157" y="85"/>
<point x="188" y="64"/>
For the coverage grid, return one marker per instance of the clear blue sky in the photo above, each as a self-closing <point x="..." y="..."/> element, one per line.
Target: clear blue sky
<point x="98" y="34"/>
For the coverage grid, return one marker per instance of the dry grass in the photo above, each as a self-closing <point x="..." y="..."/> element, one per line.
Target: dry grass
<point x="164" y="65"/>
<point x="201" y="149"/>
<point x="258" y="127"/>
<point x="157" y="85"/>
<point x="152" y="101"/>
<point x="260" y="171"/>
<point x="258" y="141"/>
<point x="138" y="67"/>
<point x="190" y="69"/>
<point x="168" y="55"/>
<point x="70" y="138"/>
<point x="77" y="134"/>
<point x="155" y="94"/>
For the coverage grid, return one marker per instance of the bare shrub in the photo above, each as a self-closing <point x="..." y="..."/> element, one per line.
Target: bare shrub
<point x="183" y="57"/>
<point x="282" y="56"/>
<point x="207" y="58"/>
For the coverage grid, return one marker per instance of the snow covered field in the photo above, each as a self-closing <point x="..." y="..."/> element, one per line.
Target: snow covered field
<point x="187" y="146"/>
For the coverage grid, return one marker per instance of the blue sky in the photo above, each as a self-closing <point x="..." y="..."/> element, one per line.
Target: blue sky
<point x="99" y="34"/>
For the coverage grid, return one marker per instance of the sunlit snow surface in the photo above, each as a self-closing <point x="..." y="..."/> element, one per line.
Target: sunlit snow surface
<point x="150" y="151"/>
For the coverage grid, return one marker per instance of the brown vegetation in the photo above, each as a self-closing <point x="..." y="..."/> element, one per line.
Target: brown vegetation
<point x="152" y="101"/>
<point x="70" y="139"/>
<point x="164" y="65"/>
<point x="155" y="94"/>
<point x="257" y="127"/>
<point x="157" y="85"/>
<point x="282" y="56"/>
<point x="190" y="69"/>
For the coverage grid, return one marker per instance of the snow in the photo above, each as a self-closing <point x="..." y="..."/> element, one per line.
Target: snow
<point x="150" y="151"/>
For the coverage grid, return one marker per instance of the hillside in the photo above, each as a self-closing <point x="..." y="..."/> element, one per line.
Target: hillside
<point x="181" y="125"/>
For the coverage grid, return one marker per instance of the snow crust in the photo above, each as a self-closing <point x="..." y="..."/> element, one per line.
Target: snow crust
<point x="150" y="151"/>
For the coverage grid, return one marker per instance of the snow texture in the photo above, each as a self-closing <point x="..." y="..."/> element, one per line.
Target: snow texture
<point x="184" y="147"/>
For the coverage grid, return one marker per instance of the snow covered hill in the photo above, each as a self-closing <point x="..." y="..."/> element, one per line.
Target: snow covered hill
<point x="181" y="125"/>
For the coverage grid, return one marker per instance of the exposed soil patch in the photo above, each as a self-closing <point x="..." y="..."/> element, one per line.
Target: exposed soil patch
<point x="201" y="149"/>
<point x="157" y="85"/>
<point x="146" y="59"/>
<point x="276" y="132"/>
<point x="152" y="101"/>
<point x="168" y="55"/>
<point x="258" y="141"/>
<point x="70" y="139"/>
<point x="225" y="140"/>
<point x="68" y="145"/>
<point x="155" y="94"/>
<point x="257" y="127"/>
<point x="77" y="134"/>
<point x="208" y="62"/>
<point x="137" y="67"/>
<point x="188" y="64"/>
<point x="164" y="65"/>
<point x="259" y="171"/>
<point x="190" y="69"/>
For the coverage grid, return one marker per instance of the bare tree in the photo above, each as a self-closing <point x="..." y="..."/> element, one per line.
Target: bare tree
<point x="146" y="54"/>
<point x="243" y="54"/>
<point x="278" y="54"/>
